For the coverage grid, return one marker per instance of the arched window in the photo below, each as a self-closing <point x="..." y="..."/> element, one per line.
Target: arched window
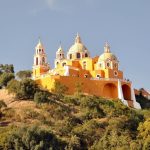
<point x="115" y="65"/>
<point x="98" y="76"/>
<point x="86" y="55"/>
<point x="86" y="75"/>
<point x="108" y="64"/>
<point x="78" y="55"/>
<point x="70" y="56"/>
<point x="36" y="60"/>
<point x="84" y="65"/>
<point x="64" y="64"/>
<point x="100" y="65"/>
<point x="43" y="60"/>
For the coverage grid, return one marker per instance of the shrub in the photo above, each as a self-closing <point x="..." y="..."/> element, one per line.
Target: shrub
<point x="2" y="104"/>
<point x="13" y="86"/>
<point x="6" y="68"/>
<point x="59" y="89"/>
<point x="5" y="78"/>
<point x="24" y="89"/>
<point x="91" y="106"/>
<point x="41" y="97"/>
<point x="33" y="138"/>
<point x="24" y="74"/>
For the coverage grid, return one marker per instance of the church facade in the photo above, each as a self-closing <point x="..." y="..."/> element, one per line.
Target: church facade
<point x="98" y="76"/>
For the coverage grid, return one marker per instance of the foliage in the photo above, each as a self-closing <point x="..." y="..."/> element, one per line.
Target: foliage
<point x="91" y="106"/>
<point x="144" y="134"/>
<point x="74" y="143"/>
<point x="72" y="122"/>
<point x="5" y="78"/>
<point x="59" y="89"/>
<point x="24" y="89"/>
<point x="88" y="132"/>
<point x="41" y="97"/>
<point x="78" y="89"/>
<point x="32" y="138"/>
<point x="72" y="100"/>
<point x="13" y="86"/>
<point x="2" y="105"/>
<point x="24" y="74"/>
<point x="6" y="68"/>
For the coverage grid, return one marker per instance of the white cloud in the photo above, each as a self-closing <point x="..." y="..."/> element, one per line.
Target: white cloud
<point x="51" y="4"/>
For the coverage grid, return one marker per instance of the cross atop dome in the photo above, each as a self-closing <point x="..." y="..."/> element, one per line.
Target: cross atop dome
<point x="107" y="47"/>
<point x="60" y="49"/>
<point x="78" y="38"/>
<point x="39" y="45"/>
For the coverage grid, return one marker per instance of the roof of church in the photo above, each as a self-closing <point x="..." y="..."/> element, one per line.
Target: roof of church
<point x="107" y="55"/>
<point x="78" y="46"/>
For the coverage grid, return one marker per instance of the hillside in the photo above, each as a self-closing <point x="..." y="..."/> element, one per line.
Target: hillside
<point x="71" y="122"/>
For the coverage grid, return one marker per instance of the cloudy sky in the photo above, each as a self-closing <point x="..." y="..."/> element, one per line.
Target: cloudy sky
<point x="125" y="24"/>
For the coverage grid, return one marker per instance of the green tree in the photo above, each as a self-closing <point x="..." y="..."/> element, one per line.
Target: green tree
<point x="24" y="89"/>
<point x="24" y="74"/>
<point x="78" y="89"/>
<point x="59" y="89"/>
<point x="5" y="78"/>
<point x="74" y="143"/>
<point x="144" y="134"/>
<point x="33" y="138"/>
<point x="13" y="86"/>
<point x="6" y="68"/>
<point x="90" y="105"/>
<point x="2" y="105"/>
<point x="115" y="137"/>
<point x="41" y="97"/>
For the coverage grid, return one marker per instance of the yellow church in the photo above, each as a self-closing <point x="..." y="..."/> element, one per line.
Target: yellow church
<point x="98" y="76"/>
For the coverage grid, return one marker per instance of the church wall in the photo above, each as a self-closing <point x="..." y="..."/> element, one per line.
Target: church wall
<point x="91" y="87"/>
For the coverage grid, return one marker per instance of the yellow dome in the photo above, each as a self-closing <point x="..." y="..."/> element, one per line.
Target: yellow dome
<point x="106" y="56"/>
<point x="78" y="46"/>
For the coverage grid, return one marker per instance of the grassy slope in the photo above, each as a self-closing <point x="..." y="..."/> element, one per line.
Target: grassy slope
<point x="84" y="120"/>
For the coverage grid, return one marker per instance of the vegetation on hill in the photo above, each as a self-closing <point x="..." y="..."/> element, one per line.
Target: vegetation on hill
<point x="74" y="122"/>
<point x="40" y="120"/>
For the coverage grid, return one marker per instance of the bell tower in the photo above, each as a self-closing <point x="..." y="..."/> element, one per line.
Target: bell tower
<point x="59" y="56"/>
<point x="40" y="65"/>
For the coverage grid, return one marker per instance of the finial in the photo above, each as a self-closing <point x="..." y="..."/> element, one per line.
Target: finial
<point x="60" y="44"/>
<point x="78" y="39"/>
<point x="106" y="47"/>
<point x="39" y="39"/>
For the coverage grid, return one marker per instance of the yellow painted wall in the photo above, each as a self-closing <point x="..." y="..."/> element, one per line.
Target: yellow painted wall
<point x="100" y="87"/>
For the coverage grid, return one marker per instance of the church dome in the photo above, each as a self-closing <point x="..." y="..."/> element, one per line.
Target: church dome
<point x="78" y="46"/>
<point x="107" y="55"/>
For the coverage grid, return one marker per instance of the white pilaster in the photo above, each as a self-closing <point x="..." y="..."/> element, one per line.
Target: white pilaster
<point x="120" y="94"/>
<point x="66" y="71"/>
<point x="135" y="103"/>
